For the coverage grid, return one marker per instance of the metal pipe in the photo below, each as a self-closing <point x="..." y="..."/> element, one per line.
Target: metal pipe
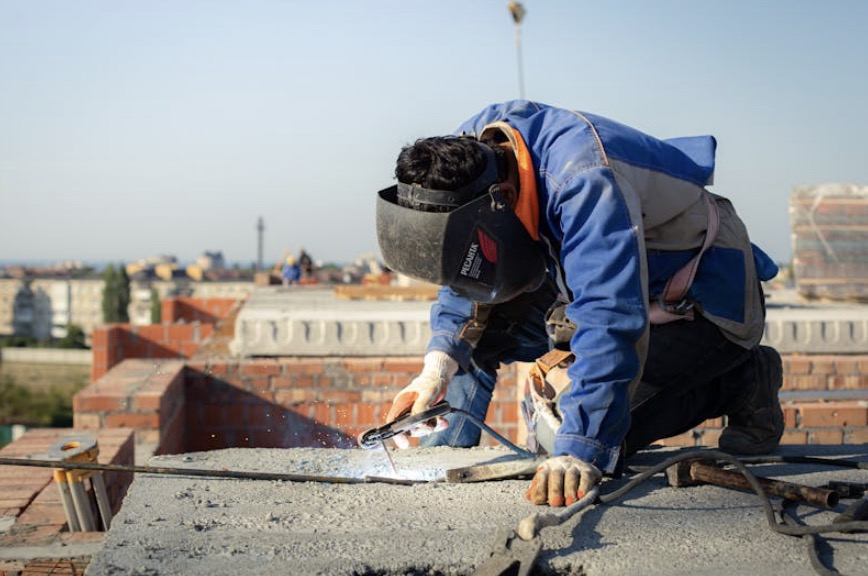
<point x="483" y="426"/>
<point x="787" y="490"/>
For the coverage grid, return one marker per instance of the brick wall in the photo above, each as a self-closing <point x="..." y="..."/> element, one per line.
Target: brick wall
<point x="143" y="395"/>
<point x="115" y="342"/>
<point x="30" y="497"/>
<point x="291" y="402"/>
<point x="204" y="310"/>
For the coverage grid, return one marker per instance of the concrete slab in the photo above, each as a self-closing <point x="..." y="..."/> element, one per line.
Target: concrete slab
<point x="277" y="321"/>
<point x="181" y="525"/>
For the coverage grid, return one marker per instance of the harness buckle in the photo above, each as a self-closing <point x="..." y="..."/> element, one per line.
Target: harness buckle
<point x="678" y="308"/>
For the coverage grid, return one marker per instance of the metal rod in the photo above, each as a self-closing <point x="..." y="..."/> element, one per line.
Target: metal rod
<point x="82" y="506"/>
<point x="240" y="475"/>
<point x="482" y="425"/>
<point x="66" y="499"/>
<point x="102" y="501"/>
<point x="786" y="490"/>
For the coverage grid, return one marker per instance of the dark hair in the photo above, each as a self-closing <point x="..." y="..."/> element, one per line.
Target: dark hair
<point x="444" y="163"/>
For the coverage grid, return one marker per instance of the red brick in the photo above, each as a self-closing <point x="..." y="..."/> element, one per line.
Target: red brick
<point x="848" y="382"/>
<point x="324" y="413"/>
<point x="857" y="436"/>
<point x="807" y="382"/>
<point x="847" y="364"/>
<point x="796" y="364"/>
<point x="366" y="415"/>
<point x="790" y="415"/>
<point x="822" y="365"/>
<point x="301" y="366"/>
<point x="95" y="402"/>
<point x="260" y="367"/>
<point x="834" y="414"/>
<point x="259" y="382"/>
<point x="304" y="381"/>
<point x="87" y="421"/>
<point x="282" y="382"/>
<point x="382" y="379"/>
<point x="373" y="396"/>
<point x="344" y="415"/>
<point x="12" y="502"/>
<point x="799" y="437"/>
<point x="43" y="514"/>
<point x="363" y="365"/>
<point x="147" y="401"/>
<point x="137" y="421"/>
<point x="100" y="338"/>
<point x="218" y="368"/>
<point x="343" y="397"/>
<point x="827" y="436"/>
<point x="408" y="365"/>
<point x="296" y="395"/>
<point x="236" y="415"/>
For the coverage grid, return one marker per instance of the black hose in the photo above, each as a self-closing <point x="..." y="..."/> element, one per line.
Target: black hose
<point x="790" y="530"/>
<point x="811" y="540"/>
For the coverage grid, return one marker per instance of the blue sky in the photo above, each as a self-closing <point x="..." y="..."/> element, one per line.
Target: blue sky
<point x="131" y="129"/>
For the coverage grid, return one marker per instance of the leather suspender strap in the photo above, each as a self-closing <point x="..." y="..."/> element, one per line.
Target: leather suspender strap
<point x="671" y="304"/>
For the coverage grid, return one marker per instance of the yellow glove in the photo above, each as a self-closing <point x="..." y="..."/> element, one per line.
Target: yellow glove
<point x="562" y="480"/>
<point x="426" y="390"/>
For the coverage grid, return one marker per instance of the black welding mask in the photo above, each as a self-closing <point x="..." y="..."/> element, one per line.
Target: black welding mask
<point x="479" y="248"/>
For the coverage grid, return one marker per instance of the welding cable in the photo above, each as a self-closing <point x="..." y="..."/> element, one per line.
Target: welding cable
<point x="789" y="529"/>
<point x="811" y="540"/>
<point x="859" y="525"/>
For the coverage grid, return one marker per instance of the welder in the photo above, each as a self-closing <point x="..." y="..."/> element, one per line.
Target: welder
<point x="529" y="212"/>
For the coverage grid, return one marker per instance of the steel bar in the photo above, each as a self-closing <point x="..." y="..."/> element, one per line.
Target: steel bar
<point x="787" y="490"/>
<point x="240" y="475"/>
<point x="102" y="501"/>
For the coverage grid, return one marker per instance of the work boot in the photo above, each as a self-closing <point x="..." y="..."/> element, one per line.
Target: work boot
<point x="757" y="426"/>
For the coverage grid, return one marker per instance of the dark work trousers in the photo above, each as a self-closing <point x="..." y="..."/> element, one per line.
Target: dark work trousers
<point x="692" y="373"/>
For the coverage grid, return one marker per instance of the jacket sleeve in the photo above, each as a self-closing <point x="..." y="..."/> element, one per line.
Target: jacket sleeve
<point x="457" y="325"/>
<point x="601" y="253"/>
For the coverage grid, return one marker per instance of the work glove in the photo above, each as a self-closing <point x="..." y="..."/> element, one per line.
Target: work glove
<point x="562" y="480"/>
<point x="426" y="390"/>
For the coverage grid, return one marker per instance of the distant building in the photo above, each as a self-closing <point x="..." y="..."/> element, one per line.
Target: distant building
<point x="41" y="304"/>
<point x="211" y="261"/>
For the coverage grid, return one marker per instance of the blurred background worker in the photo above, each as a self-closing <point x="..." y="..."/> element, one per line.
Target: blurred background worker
<point x="533" y="211"/>
<point x="291" y="272"/>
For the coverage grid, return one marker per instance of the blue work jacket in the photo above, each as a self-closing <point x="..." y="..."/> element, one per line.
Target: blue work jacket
<point x="619" y="213"/>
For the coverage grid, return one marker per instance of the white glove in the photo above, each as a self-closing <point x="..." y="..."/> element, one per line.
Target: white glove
<point x="426" y="390"/>
<point x="562" y="480"/>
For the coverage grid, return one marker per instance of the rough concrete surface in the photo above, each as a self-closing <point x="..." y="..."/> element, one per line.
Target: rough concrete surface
<point x="188" y="525"/>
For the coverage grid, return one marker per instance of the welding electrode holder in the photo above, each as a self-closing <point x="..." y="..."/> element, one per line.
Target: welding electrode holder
<point x="375" y="436"/>
<point x="77" y="504"/>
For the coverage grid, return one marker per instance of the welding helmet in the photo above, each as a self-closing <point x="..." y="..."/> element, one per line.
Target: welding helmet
<point x="469" y="239"/>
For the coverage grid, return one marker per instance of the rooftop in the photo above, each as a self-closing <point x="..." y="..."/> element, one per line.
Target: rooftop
<point x="184" y="525"/>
